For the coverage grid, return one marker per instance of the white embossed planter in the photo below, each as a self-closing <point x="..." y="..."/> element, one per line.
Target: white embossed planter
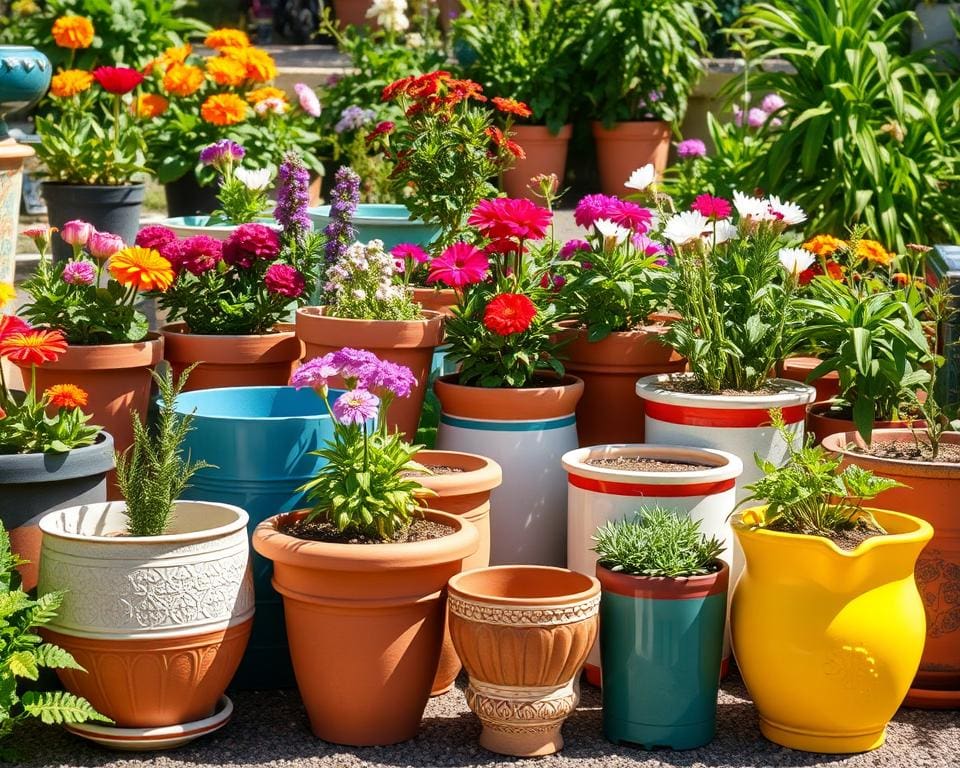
<point x="159" y="622"/>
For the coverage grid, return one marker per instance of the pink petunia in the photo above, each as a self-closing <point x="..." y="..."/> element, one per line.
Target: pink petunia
<point x="459" y="265"/>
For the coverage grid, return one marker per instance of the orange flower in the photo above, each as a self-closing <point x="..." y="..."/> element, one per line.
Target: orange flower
<point x="226" y="71"/>
<point x="900" y="278"/>
<point x="834" y="270"/>
<point x="266" y="92"/>
<point x="73" y="32"/>
<point x="143" y="268"/>
<point x="149" y="105"/>
<point x="183" y="80"/>
<point x="177" y="54"/>
<point x="223" y="38"/>
<point x="260" y="66"/>
<point x="66" y="396"/>
<point x="33" y="347"/>
<point x="512" y="107"/>
<point x="70" y="82"/>
<point x="224" y="109"/>
<point x="824" y="245"/>
<point x="873" y="252"/>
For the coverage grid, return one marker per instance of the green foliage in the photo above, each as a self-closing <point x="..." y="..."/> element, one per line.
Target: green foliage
<point x="26" y="427"/>
<point x="659" y="543"/>
<point x="642" y="58"/>
<point x="23" y="653"/>
<point x="152" y="473"/>
<point x="527" y="50"/>
<point x="810" y="494"/>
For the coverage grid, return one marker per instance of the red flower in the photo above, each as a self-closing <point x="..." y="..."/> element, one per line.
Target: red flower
<point x="504" y="217"/>
<point x="509" y="313"/>
<point x="459" y="265"/>
<point x="834" y="270"/>
<point x="515" y="149"/>
<point x="382" y="129"/>
<point x="118" y="80"/>
<point x="36" y="346"/>
<point x="12" y="324"/>
<point x="512" y="107"/>
<point x="712" y="207"/>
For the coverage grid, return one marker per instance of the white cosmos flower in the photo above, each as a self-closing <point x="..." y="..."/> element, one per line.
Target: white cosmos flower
<point x="686" y="227"/>
<point x="795" y="260"/>
<point x="724" y="230"/>
<point x="611" y="230"/>
<point x="254" y="180"/>
<point x="789" y="213"/>
<point x="641" y="178"/>
<point x="755" y="208"/>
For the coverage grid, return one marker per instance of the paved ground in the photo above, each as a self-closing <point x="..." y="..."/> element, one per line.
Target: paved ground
<point x="270" y="729"/>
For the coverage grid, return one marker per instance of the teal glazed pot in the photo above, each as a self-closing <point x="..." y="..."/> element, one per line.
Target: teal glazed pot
<point x="376" y="221"/>
<point x="24" y="77"/>
<point x="260" y="439"/>
<point x="661" y="641"/>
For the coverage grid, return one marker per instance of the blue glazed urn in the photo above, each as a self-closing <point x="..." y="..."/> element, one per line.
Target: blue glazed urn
<point x="24" y="77"/>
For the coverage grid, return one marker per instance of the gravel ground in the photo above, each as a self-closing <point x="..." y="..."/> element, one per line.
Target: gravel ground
<point x="270" y="729"/>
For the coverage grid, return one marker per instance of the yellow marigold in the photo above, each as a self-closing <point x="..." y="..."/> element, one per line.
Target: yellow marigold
<point x="7" y="293"/>
<point x="266" y="92"/>
<point x="259" y="64"/>
<point x="177" y="54"/>
<point x="226" y="71"/>
<point x="223" y="38"/>
<point x="73" y="32"/>
<point x="149" y="105"/>
<point x="872" y="251"/>
<point x="824" y="245"/>
<point x="70" y="82"/>
<point x="143" y="268"/>
<point x="224" y="109"/>
<point x="66" y="396"/>
<point x="182" y="80"/>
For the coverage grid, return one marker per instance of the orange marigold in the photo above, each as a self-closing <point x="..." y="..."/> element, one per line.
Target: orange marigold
<point x="512" y="106"/>
<point x="824" y="245"/>
<point x="70" y="82"/>
<point x="143" y="268"/>
<point x="66" y="396"/>
<point x="224" y="38"/>
<point x="177" y="54"/>
<point x="149" y="105"/>
<point x="260" y="66"/>
<point x="73" y="32"/>
<point x="182" y="79"/>
<point x="225" y="71"/>
<point x="266" y="92"/>
<point x="872" y="251"/>
<point x="224" y="109"/>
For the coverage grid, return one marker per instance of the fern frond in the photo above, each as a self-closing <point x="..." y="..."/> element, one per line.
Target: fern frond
<point x="59" y="707"/>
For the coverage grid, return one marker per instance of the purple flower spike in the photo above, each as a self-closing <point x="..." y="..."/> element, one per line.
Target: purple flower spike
<point x="356" y="407"/>
<point x="293" y="196"/>
<point x="345" y="196"/>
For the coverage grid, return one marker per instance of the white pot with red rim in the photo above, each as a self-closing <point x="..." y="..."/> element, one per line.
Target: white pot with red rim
<point x="597" y="495"/>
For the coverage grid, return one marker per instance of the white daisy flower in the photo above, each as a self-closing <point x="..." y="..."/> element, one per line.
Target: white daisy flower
<point x="795" y="260"/>
<point x="641" y="178"/>
<point x="789" y="213"/>
<point x="254" y="179"/>
<point x="686" y="227"/>
<point x="723" y="231"/>
<point x="611" y="231"/>
<point x="755" y="208"/>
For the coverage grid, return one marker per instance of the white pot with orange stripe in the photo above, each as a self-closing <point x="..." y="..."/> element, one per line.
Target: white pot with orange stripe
<point x="600" y="494"/>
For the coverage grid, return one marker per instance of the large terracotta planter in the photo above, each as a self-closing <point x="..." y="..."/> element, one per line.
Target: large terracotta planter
<point x="353" y="12"/>
<point x="440" y="300"/>
<point x="931" y="493"/>
<point x="609" y="411"/>
<point x="828" y="640"/>
<point x="628" y="146"/>
<point x="597" y="495"/>
<point x="526" y="431"/>
<point x="523" y="633"/>
<point x="465" y="493"/>
<point x="256" y="360"/>
<point x="797" y="368"/>
<point x="821" y="423"/>
<point x="545" y="153"/>
<point x="406" y="342"/>
<point x="158" y="622"/>
<point x="365" y="625"/>
<point x="661" y="642"/>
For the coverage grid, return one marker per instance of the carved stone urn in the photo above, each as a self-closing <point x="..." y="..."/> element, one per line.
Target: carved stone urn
<point x="523" y="633"/>
<point x="159" y="623"/>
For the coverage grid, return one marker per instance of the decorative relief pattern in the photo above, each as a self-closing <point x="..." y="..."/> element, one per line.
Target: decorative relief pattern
<point x="522" y="615"/>
<point x="522" y="711"/>
<point x="938" y="580"/>
<point x="26" y="63"/>
<point x="854" y="666"/>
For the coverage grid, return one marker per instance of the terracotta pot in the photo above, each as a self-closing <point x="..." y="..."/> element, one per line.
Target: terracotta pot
<point x="523" y="633"/>
<point x="545" y="152"/>
<point x="797" y="368"/>
<point x="406" y="342"/>
<point x="353" y="12"/>
<point x="821" y="424"/>
<point x="159" y="623"/>
<point x="436" y="300"/>
<point x="365" y="625"/>
<point x="626" y="147"/>
<point x="526" y="431"/>
<point x="260" y="360"/>
<point x="930" y="493"/>
<point x="610" y="411"/>
<point x="465" y="493"/>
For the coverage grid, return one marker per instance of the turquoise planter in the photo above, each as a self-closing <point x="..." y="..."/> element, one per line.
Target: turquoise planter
<point x="661" y="641"/>
<point x="375" y="221"/>
<point x="260" y="439"/>
<point x="24" y="77"/>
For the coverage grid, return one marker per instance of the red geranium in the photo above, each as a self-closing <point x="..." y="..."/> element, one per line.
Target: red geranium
<point x="503" y="217"/>
<point x="509" y="313"/>
<point x="118" y="80"/>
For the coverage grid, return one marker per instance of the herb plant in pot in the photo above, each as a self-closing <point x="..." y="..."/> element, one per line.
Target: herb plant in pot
<point x="827" y="622"/>
<point x="159" y="594"/>
<point x="664" y="596"/>
<point x="363" y="571"/>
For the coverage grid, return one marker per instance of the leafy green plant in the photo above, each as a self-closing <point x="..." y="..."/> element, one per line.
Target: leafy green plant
<point x="23" y="653"/>
<point x="659" y="543"/>
<point x="810" y="493"/>
<point x="153" y="472"/>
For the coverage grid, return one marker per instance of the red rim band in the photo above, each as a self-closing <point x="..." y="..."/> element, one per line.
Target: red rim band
<point x="719" y="417"/>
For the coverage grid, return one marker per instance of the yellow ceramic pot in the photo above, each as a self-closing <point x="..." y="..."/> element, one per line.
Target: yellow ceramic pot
<point x="828" y="641"/>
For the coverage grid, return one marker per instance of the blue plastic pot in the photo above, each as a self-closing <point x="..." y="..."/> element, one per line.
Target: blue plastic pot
<point x="260" y="439"/>
<point x="375" y="221"/>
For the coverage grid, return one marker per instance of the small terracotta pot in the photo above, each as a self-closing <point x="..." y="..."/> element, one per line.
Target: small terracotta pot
<point x="797" y="368"/>
<point x="628" y="146"/>
<point x="929" y="492"/>
<point x="405" y="342"/>
<point x="523" y="633"/>
<point x="544" y="152"/>
<point x="365" y="625"/>
<point x="353" y="12"/>
<point x="821" y="424"/>
<point x="610" y="411"/>
<point x="440" y="300"/>
<point x="256" y="360"/>
<point x="465" y="493"/>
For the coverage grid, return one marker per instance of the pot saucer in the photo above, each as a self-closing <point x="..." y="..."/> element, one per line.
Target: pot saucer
<point x="142" y="739"/>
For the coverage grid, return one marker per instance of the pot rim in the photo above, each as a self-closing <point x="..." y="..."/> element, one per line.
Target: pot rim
<point x="179" y="329"/>
<point x="177" y="222"/>
<point x="562" y="598"/>
<point x="128" y="185"/>
<point x="723" y="465"/>
<point x="665" y="587"/>
<point x="840" y="442"/>
<point x="429" y="317"/>
<point x="792" y="393"/>
<point x="568" y="380"/>
<point x="323" y="211"/>
<point x="12" y="463"/>
<point x="818" y="410"/>
<point x="237" y="418"/>
<point x="485" y="477"/>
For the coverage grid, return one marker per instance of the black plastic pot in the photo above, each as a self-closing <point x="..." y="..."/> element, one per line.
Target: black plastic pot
<point x="185" y="196"/>
<point x="114" y="209"/>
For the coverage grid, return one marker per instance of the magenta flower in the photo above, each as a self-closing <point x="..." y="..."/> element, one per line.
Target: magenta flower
<point x="284" y="280"/>
<point x="220" y="152"/>
<point x="392" y="377"/>
<point x="172" y="251"/>
<point x="690" y="148"/>
<point x="76" y="232"/>
<point x="309" y="102"/>
<point x="354" y="364"/>
<point x="315" y="373"/>
<point x="630" y="215"/>
<point x="356" y="407"/>
<point x="411" y="252"/>
<point x="772" y="102"/>
<point x="102" y="245"/>
<point x="556" y="282"/>
<point x="714" y="208"/>
<point x="592" y="208"/>
<point x="79" y="273"/>
<point x="200" y="254"/>
<point x="570" y="248"/>
<point x="154" y="236"/>
<point x="647" y="246"/>
<point x="756" y="117"/>
<point x="459" y="265"/>
<point x="250" y="242"/>
<point x="503" y="217"/>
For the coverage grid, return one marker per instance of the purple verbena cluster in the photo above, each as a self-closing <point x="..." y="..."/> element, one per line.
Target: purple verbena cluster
<point x="344" y="200"/>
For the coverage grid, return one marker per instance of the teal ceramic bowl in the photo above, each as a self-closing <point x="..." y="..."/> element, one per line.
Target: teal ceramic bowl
<point x="376" y="221"/>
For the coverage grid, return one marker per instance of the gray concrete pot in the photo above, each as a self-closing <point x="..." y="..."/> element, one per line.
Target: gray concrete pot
<point x="114" y="209"/>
